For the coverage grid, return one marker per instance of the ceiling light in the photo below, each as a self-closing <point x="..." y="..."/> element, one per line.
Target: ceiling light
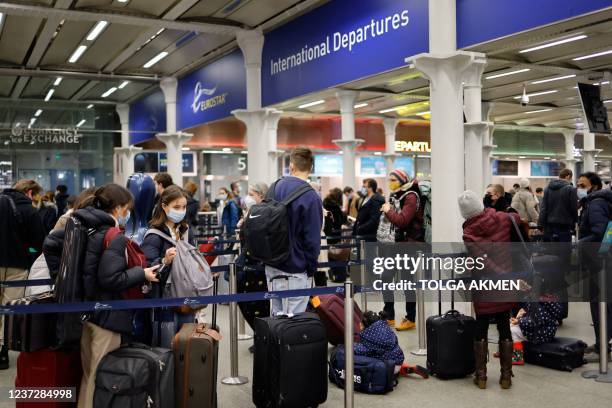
<point x="377" y="153"/>
<point x="109" y="92"/>
<point x="81" y="123"/>
<point x="608" y="101"/>
<point x="161" y="30"/>
<point x="123" y="84"/>
<point x="1" y="17"/>
<point x="546" y="158"/>
<point x="91" y="105"/>
<point x="360" y="105"/>
<point x="508" y="73"/>
<point x="77" y="54"/>
<point x="58" y="81"/>
<point x="552" y="44"/>
<point x="95" y="32"/>
<point x="309" y="104"/>
<point x="185" y="149"/>
<point x="539" y="110"/>
<point x="423" y="113"/>
<point x="542" y="81"/>
<point x="38" y="112"/>
<point x="537" y="94"/>
<point x="341" y="152"/>
<point x="123" y="1"/>
<point x="244" y="152"/>
<point x="601" y="83"/>
<point x="226" y="149"/>
<point x="597" y="54"/>
<point x="49" y="94"/>
<point x="155" y="59"/>
<point x="389" y="110"/>
<point x="522" y="157"/>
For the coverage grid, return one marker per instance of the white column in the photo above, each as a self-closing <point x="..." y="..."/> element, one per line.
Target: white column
<point x="475" y="129"/>
<point x="487" y="144"/>
<point x="570" y="160"/>
<point x="251" y="43"/>
<point x="348" y="143"/>
<point x="390" y="124"/>
<point x="174" y="145"/>
<point x="261" y="127"/>
<point x="169" y="86"/>
<point x="124" y="155"/>
<point x="588" y="149"/>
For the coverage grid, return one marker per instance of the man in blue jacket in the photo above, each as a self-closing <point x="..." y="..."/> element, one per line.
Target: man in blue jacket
<point x="305" y="222"/>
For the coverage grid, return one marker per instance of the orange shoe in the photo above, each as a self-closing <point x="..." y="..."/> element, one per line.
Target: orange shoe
<point x="406" y="325"/>
<point x="391" y="323"/>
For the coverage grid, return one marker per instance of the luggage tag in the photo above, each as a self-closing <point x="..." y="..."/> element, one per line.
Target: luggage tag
<point x="315" y="301"/>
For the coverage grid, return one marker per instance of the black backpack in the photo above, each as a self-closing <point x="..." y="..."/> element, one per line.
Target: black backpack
<point x="266" y="227"/>
<point x="12" y="224"/>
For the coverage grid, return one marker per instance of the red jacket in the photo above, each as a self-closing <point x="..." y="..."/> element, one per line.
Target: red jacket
<point x="407" y="220"/>
<point x="488" y="227"/>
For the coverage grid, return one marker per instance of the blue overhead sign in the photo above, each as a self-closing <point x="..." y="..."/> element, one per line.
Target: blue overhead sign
<point x="479" y="21"/>
<point x="147" y="117"/>
<point x="341" y="41"/>
<point x="212" y="92"/>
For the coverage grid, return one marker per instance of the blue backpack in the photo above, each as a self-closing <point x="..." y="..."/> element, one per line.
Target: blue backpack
<point x="370" y="375"/>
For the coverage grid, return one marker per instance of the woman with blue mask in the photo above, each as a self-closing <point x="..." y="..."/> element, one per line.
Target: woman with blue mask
<point x="168" y="218"/>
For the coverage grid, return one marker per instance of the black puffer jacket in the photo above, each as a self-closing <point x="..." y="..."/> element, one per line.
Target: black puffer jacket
<point x="17" y="237"/>
<point x="52" y="248"/>
<point x="105" y="272"/>
<point x="559" y="206"/>
<point x="595" y="216"/>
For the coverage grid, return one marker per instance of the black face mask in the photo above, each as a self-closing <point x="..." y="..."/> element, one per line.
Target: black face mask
<point x="488" y="201"/>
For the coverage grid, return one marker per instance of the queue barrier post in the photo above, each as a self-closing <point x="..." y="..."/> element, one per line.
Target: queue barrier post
<point x="348" y="344"/>
<point x="235" y="378"/>
<point x="420" y="301"/>
<point x="602" y="375"/>
<point x="364" y="294"/>
<point x="242" y="334"/>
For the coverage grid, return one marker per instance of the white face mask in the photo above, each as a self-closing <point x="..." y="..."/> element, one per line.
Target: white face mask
<point x="249" y="201"/>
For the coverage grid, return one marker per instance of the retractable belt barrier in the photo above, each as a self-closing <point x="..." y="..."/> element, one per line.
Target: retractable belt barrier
<point x="79" y="307"/>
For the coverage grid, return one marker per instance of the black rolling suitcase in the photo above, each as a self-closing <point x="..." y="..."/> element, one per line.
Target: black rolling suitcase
<point x="135" y="376"/>
<point x="450" y="343"/>
<point x="290" y="363"/>
<point x="563" y="353"/>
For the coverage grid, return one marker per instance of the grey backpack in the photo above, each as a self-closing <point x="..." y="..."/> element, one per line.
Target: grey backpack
<point x="190" y="274"/>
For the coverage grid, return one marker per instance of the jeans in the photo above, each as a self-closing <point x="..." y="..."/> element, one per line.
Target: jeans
<point x="503" y="326"/>
<point x="279" y="280"/>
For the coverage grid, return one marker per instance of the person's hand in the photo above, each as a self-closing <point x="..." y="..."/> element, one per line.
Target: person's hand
<point x="170" y="254"/>
<point x="524" y="286"/>
<point x="520" y="313"/>
<point x="514" y="321"/>
<point x="151" y="273"/>
<point x="385" y="208"/>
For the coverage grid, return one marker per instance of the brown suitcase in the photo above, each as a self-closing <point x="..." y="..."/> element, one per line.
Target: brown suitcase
<point x="196" y="358"/>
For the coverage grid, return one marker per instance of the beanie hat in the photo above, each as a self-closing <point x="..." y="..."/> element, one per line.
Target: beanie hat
<point x="524" y="183"/>
<point x="470" y="204"/>
<point x="401" y="175"/>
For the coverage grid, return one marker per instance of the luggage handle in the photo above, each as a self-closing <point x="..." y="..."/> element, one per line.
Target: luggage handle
<point x="452" y="308"/>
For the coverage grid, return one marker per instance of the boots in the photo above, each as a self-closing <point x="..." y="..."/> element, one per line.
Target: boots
<point x="481" y="354"/>
<point x="505" y="360"/>
<point x="4" y="358"/>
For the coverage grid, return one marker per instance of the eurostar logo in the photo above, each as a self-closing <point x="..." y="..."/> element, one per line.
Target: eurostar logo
<point x="199" y="93"/>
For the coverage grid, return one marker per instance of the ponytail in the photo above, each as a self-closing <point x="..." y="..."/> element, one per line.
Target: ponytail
<point x="108" y="197"/>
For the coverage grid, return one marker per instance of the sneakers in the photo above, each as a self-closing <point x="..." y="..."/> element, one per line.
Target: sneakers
<point x="591" y="354"/>
<point x="391" y="323"/>
<point x="4" y="358"/>
<point x="405" y="325"/>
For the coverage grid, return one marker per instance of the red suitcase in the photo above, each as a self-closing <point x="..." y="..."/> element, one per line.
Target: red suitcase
<point x="330" y="309"/>
<point x="49" y="368"/>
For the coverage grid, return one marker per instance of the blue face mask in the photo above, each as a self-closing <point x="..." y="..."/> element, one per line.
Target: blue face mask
<point x="176" y="216"/>
<point x="582" y="193"/>
<point x="122" y="221"/>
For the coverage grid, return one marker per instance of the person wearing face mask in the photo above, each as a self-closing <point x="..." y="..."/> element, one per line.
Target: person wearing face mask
<point x="368" y="216"/>
<point x="106" y="277"/>
<point x="252" y="279"/>
<point x="231" y="212"/>
<point x="594" y="218"/>
<point x="168" y="218"/>
<point x="21" y="228"/>
<point x="405" y="213"/>
<point x="495" y="198"/>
